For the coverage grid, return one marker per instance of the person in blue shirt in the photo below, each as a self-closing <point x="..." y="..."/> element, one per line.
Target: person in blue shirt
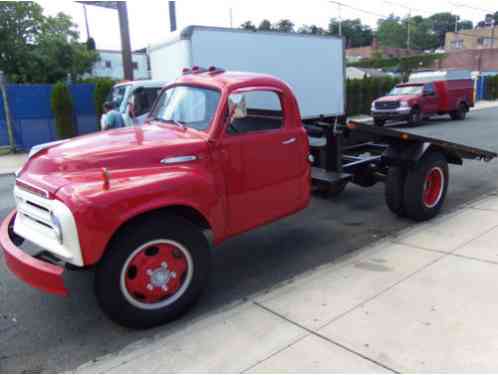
<point x="112" y="118"/>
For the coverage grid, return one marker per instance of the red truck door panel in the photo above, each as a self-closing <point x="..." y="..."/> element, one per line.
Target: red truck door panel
<point x="430" y="99"/>
<point x="259" y="162"/>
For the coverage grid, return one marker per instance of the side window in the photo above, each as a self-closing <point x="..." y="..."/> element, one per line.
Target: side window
<point x="429" y="89"/>
<point x="254" y="111"/>
<point x="144" y="100"/>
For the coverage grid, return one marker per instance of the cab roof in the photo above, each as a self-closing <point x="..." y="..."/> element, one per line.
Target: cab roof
<point x="232" y="80"/>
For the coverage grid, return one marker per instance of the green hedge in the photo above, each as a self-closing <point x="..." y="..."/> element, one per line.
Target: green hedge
<point x="491" y="88"/>
<point x="102" y="88"/>
<point x="361" y="92"/>
<point x="61" y="103"/>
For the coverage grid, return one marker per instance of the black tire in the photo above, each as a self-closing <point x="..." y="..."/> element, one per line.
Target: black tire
<point x="110" y="272"/>
<point x="331" y="190"/>
<point x="460" y="114"/>
<point x="394" y="190"/>
<point x="379" y="122"/>
<point x="418" y="205"/>
<point x="415" y="117"/>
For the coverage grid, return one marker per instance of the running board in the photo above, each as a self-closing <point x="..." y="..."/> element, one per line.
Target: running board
<point x="321" y="175"/>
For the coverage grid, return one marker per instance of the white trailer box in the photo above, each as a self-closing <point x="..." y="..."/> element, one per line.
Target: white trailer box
<point x="312" y="65"/>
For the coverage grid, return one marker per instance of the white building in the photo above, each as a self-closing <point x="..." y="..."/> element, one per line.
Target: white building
<point x="111" y="65"/>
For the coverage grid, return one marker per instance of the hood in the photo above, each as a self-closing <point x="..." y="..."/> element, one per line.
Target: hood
<point x="391" y="98"/>
<point x="125" y="148"/>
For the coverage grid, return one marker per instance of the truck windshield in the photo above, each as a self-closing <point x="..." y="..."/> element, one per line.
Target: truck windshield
<point x="406" y="90"/>
<point x="188" y="106"/>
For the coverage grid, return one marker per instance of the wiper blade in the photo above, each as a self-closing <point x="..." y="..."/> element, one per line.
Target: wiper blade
<point x="177" y="123"/>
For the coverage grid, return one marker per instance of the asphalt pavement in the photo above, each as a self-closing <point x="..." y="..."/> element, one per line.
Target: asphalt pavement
<point x="40" y="332"/>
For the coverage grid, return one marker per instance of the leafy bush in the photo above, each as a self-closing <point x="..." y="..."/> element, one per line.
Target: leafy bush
<point x="360" y="93"/>
<point x="102" y="88"/>
<point x="62" y="107"/>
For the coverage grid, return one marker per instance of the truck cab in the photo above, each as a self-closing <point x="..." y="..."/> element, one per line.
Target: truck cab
<point x="134" y="99"/>
<point x="219" y="154"/>
<point x="424" y="95"/>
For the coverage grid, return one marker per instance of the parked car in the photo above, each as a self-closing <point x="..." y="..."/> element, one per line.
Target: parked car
<point x="134" y="99"/>
<point x="424" y="95"/>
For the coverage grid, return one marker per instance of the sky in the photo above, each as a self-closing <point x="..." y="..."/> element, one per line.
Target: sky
<point x="149" y="19"/>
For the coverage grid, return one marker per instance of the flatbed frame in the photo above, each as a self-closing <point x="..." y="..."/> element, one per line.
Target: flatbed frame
<point x="366" y="162"/>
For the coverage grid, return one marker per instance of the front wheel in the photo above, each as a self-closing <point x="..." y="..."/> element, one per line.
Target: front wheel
<point x="415" y="117"/>
<point x="152" y="272"/>
<point x="379" y="122"/>
<point x="425" y="187"/>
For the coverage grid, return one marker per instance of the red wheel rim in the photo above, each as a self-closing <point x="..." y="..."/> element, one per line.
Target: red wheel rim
<point x="156" y="274"/>
<point x="433" y="188"/>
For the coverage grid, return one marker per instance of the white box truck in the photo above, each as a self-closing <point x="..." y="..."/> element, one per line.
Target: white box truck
<point x="312" y="65"/>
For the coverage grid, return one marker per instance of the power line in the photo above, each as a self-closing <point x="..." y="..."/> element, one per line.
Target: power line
<point x="460" y="5"/>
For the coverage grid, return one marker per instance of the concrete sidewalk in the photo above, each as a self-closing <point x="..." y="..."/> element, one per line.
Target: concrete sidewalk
<point x="11" y="162"/>
<point x="422" y="301"/>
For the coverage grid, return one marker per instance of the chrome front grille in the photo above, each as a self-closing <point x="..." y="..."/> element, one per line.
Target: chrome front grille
<point x="387" y="105"/>
<point x="36" y="216"/>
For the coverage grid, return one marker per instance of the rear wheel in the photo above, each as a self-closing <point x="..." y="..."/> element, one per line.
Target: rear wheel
<point x="460" y="113"/>
<point x="152" y="273"/>
<point x="425" y="187"/>
<point x="394" y="190"/>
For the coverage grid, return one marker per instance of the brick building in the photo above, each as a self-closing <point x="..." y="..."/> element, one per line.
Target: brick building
<point x="485" y="60"/>
<point x="480" y="38"/>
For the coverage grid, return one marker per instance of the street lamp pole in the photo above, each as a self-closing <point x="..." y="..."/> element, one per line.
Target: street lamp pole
<point x="172" y="15"/>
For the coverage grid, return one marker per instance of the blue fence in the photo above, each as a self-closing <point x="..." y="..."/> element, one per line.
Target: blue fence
<point x="33" y="120"/>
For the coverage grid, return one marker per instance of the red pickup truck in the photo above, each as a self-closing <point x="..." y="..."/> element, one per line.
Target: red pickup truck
<point x="424" y="95"/>
<point x="220" y="154"/>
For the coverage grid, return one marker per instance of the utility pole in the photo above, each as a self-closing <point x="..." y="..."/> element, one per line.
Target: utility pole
<point x="86" y="23"/>
<point x="6" y="110"/>
<point x="125" y="40"/>
<point x="172" y="15"/>
<point x="231" y="17"/>
<point x="408" y="37"/>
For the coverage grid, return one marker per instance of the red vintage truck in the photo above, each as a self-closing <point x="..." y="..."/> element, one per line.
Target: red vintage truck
<point x="427" y="94"/>
<point x="220" y="154"/>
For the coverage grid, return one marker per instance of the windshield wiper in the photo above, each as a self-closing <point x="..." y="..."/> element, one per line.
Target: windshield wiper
<point x="171" y="121"/>
<point x="178" y="123"/>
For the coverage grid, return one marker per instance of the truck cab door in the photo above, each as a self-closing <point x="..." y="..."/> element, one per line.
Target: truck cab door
<point x="264" y="160"/>
<point x="430" y="99"/>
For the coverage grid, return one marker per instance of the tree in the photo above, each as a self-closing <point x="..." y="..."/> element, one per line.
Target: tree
<point x="312" y="30"/>
<point x="284" y="26"/>
<point x="391" y="32"/>
<point x="356" y="34"/>
<point x="248" y="25"/>
<point x="421" y="35"/>
<point x="445" y="22"/>
<point x="62" y="107"/>
<point x="36" y="48"/>
<point x="265" y="25"/>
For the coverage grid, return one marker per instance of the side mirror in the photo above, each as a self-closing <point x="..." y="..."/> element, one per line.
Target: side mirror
<point x="237" y="107"/>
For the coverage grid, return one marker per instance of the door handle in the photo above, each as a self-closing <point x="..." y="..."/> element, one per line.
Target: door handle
<point x="289" y="141"/>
